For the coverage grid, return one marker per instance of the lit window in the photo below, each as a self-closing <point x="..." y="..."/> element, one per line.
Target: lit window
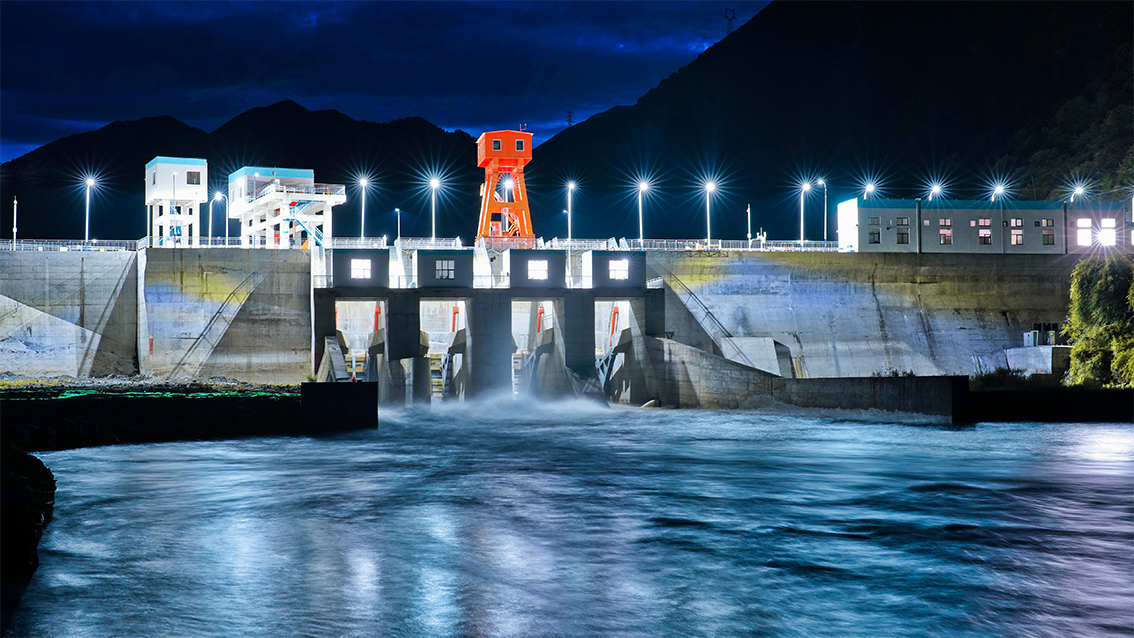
<point x="1083" y="222"/>
<point x="193" y="177"/>
<point x="446" y="269"/>
<point x="1049" y="222"/>
<point x="985" y="236"/>
<point x="903" y="221"/>
<point x="972" y="223"/>
<point x="496" y="145"/>
<point x="1084" y="236"/>
<point x="1108" y="223"/>
<point x="925" y="222"/>
<point x="1017" y="222"/>
<point x="986" y="221"/>
<point x="360" y="269"/>
<point x="873" y="221"/>
<point x="619" y="269"/>
<point x="903" y="235"/>
<point x="874" y="237"/>
<point x="537" y="269"/>
<point x="1107" y="236"/>
<point x="1017" y="238"/>
<point x="946" y="236"/>
<point x="519" y="145"/>
<point x="945" y="221"/>
<point x="1048" y="237"/>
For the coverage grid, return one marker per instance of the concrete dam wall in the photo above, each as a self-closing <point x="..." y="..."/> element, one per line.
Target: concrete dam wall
<point x="167" y="313"/>
<point x="68" y="313"/>
<point x="855" y="315"/>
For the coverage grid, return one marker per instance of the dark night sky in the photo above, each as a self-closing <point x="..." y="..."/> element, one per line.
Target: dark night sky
<point x="72" y="67"/>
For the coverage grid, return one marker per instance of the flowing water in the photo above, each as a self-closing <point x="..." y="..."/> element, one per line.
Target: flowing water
<point x="510" y="519"/>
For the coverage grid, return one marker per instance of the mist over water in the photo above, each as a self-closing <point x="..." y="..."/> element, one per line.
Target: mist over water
<point x="506" y="518"/>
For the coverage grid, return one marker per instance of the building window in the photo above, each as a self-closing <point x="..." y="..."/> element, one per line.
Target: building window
<point x="154" y="179"/>
<point x="972" y="223"/>
<point x="985" y="222"/>
<point x="537" y="269"/>
<point x="1107" y="236"/>
<point x="1048" y="237"/>
<point x="1048" y="222"/>
<point x="946" y="236"/>
<point x="1083" y="235"/>
<point x="874" y="237"/>
<point x="903" y="235"/>
<point x="496" y="145"/>
<point x="945" y="221"/>
<point x="446" y="269"/>
<point x="873" y="221"/>
<point x="1017" y="222"/>
<point x="519" y="145"/>
<point x="193" y="177"/>
<point x="985" y="236"/>
<point x="619" y="268"/>
<point x="903" y="221"/>
<point x="360" y="269"/>
<point x="1017" y="238"/>
<point x="1083" y="222"/>
<point x="925" y="222"/>
<point x="1108" y="223"/>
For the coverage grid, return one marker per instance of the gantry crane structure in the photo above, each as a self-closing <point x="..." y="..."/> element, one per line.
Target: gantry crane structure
<point x="504" y="212"/>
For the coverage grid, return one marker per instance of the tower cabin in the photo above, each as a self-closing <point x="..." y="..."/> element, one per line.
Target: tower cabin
<point x="176" y="187"/>
<point x="282" y="207"/>
<point x="504" y="212"/>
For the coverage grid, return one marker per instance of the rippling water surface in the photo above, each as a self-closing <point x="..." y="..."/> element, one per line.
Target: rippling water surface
<point x="520" y="520"/>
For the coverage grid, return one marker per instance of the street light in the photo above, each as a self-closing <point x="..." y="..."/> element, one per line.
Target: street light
<point x="362" y="225"/>
<point x="643" y="186"/>
<point x="399" y="212"/>
<point x="219" y="196"/>
<point x="997" y="190"/>
<point x="804" y="188"/>
<point x="1078" y="191"/>
<point x="87" y="232"/>
<point x="570" y="189"/>
<point x="434" y="184"/>
<point x="216" y="197"/>
<point x="868" y="190"/>
<point x="710" y="186"/>
<point x="824" y="185"/>
<point x="934" y="191"/>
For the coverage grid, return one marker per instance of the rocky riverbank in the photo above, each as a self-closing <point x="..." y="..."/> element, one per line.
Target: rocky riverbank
<point x="27" y="494"/>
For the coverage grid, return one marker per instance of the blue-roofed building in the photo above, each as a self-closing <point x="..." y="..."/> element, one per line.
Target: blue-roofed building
<point x="982" y="226"/>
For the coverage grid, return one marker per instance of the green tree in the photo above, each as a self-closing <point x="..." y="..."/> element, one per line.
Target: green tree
<point x="1100" y="322"/>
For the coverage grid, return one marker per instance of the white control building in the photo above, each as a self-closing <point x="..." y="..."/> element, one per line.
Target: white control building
<point x="176" y="188"/>
<point x="282" y="207"/>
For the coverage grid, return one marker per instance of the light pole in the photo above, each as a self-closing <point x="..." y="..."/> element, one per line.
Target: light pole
<point x="998" y="190"/>
<point x="399" y="212"/>
<point x="362" y="225"/>
<point x="570" y="190"/>
<point x="14" y="214"/>
<point x="824" y="185"/>
<point x="804" y="188"/>
<point x="87" y="230"/>
<point x="216" y="197"/>
<point x="868" y="190"/>
<point x="934" y="190"/>
<point x="1078" y="191"/>
<point x="434" y="184"/>
<point x="643" y="186"/>
<point x="709" y="188"/>
<point x="749" y="211"/>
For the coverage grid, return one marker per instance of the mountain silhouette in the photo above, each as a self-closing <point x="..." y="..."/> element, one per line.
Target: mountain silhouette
<point x="896" y="91"/>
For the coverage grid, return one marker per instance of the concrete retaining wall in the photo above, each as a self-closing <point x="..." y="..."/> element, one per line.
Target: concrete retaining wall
<point x="68" y="313"/>
<point x="854" y="314"/>
<point x="239" y="314"/>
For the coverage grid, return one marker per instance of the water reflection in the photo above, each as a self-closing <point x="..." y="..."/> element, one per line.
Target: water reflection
<point x="594" y="522"/>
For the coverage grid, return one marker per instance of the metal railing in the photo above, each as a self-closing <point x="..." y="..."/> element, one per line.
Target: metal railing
<point x="419" y="243"/>
<point x="355" y="242"/>
<point x="68" y="245"/>
<point x="295" y="189"/>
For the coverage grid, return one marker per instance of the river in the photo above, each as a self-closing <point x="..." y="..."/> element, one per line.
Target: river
<point x="514" y="519"/>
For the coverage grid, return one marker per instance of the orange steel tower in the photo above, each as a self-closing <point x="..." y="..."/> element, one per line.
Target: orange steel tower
<point x="503" y="210"/>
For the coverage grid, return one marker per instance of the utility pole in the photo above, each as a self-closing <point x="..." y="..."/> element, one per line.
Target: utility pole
<point x="14" y="203"/>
